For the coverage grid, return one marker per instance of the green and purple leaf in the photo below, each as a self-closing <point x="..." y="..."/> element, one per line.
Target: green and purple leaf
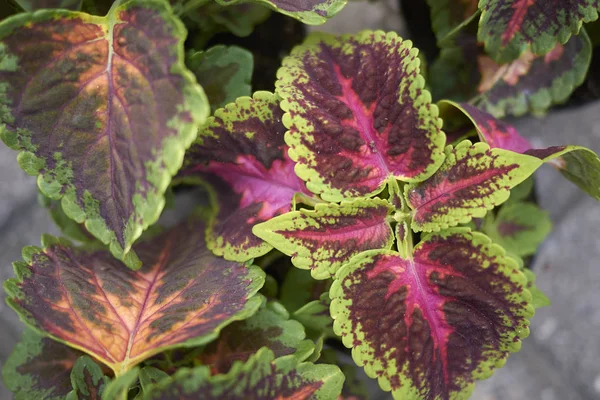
<point x="224" y="72"/>
<point x="33" y="5"/>
<point x="262" y="376"/>
<point x="311" y="12"/>
<point x="510" y="27"/>
<point x="102" y="110"/>
<point x="87" y="379"/>
<point x="519" y="228"/>
<point x="39" y="368"/>
<point x="578" y="164"/>
<point x="181" y="297"/>
<point x="464" y="72"/>
<point x="429" y="325"/>
<point x="446" y="15"/>
<point x="494" y="132"/>
<point x="325" y="238"/>
<point x="358" y="114"/>
<point x="270" y="327"/>
<point x="473" y="180"/>
<point x="70" y="228"/>
<point x="241" y="154"/>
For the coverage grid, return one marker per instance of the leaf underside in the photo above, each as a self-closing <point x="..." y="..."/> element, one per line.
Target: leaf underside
<point x="262" y="376"/>
<point x="358" y="114"/>
<point x="429" y="325"/>
<point x="102" y="109"/>
<point x="182" y="296"/>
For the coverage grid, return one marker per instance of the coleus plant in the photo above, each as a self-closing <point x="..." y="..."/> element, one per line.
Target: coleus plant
<point x="342" y="206"/>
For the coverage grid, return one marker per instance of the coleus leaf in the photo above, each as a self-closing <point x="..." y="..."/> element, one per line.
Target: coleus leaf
<point x="464" y="72"/>
<point x="429" y="325"/>
<point x="578" y="164"/>
<point x="539" y="299"/>
<point x="519" y="228"/>
<point x="270" y="327"/>
<point x="241" y="154"/>
<point x="510" y="27"/>
<point x="87" y="379"/>
<point x="102" y="109"/>
<point x="472" y="180"/>
<point x="354" y="388"/>
<point x="33" y="5"/>
<point x="325" y="238"/>
<point x="120" y="388"/>
<point x="224" y="72"/>
<point x="299" y="288"/>
<point x="311" y="12"/>
<point x="315" y="317"/>
<point x="262" y="376"/>
<point x="446" y="15"/>
<point x="150" y="376"/>
<point x="183" y="295"/>
<point x="68" y="227"/>
<point x="39" y="368"/>
<point x="358" y="114"/>
<point x="494" y="132"/>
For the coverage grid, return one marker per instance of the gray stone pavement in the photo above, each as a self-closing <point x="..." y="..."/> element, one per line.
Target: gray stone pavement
<point x="561" y="358"/>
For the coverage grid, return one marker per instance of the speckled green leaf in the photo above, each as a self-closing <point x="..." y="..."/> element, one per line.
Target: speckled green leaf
<point x="446" y="15"/>
<point x="312" y="12"/>
<point x="270" y="327"/>
<point x="181" y="297"/>
<point x="464" y="72"/>
<point x="261" y="377"/>
<point x="429" y="325"/>
<point x="325" y="238"/>
<point x="39" y="368"/>
<point x="358" y="114"/>
<point x="33" y="5"/>
<point x="519" y="227"/>
<point x="224" y="72"/>
<point x="578" y="164"/>
<point x="472" y="180"/>
<point x="87" y="379"/>
<point x="510" y="27"/>
<point x="101" y="110"/>
<point x="241" y="155"/>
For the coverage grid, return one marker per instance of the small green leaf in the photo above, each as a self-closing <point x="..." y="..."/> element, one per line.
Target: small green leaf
<point x="325" y="238"/>
<point x="118" y="389"/>
<point x="151" y="376"/>
<point x="261" y="377"/>
<point x="522" y="191"/>
<point x="519" y="227"/>
<point x="472" y="180"/>
<point x="354" y="388"/>
<point x="87" y="379"/>
<point x="316" y="318"/>
<point x="312" y="12"/>
<point x="224" y="72"/>
<point x="447" y="15"/>
<point x="300" y="288"/>
<point x="39" y="368"/>
<point x="539" y="299"/>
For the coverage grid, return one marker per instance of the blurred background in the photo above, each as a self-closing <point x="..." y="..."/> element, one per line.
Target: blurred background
<point x="561" y="358"/>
